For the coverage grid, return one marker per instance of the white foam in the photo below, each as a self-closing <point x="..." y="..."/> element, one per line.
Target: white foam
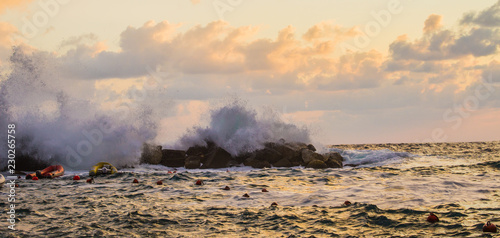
<point x="372" y="158"/>
<point x="237" y="128"/>
<point x="54" y="123"/>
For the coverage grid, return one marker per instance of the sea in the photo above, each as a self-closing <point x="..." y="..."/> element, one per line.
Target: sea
<point x="391" y="188"/>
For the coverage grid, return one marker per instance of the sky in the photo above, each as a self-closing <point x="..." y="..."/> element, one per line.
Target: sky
<point x="354" y="71"/>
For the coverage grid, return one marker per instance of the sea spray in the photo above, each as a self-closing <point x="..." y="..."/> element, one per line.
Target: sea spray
<point x="57" y="124"/>
<point x="238" y="128"/>
<point x="60" y="121"/>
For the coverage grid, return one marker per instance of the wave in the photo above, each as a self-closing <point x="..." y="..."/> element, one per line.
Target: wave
<point x="372" y="158"/>
<point x="55" y="124"/>
<point x="238" y="129"/>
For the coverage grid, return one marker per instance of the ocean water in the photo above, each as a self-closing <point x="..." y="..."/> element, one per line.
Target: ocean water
<point x="392" y="189"/>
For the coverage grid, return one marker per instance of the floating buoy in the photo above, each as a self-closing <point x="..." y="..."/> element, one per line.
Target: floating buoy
<point x="175" y="171"/>
<point x="489" y="227"/>
<point x="226" y="188"/>
<point x="432" y="218"/>
<point x="274" y="204"/>
<point x="76" y="177"/>
<point x="347" y="203"/>
<point x="90" y="180"/>
<point x="246" y="195"/>
<point x="199" y="182"/>
<point x="264" y="190"/>
<point x="17" y="185"/>
<point x="159" y="182"/>
<point x="135" y="181"/>
<point x="169" y="172"/>
<point x="34" y="178"/>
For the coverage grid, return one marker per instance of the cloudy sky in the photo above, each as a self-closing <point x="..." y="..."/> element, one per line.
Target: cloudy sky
<point x="352" y="71"/>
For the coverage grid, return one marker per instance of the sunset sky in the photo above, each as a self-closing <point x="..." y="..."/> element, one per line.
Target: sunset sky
<point x="352" y="71"/>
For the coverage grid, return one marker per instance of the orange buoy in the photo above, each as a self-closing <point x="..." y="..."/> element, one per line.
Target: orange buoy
<point x="274" y="204"/>
<point x="347" y="203"/>
<point x="34" y="178"/>
<point x="490" y="227"/>
<point x="159" y="182"/>
<point x="264" y="190"/>
<point x="135" y="181"/>
<point x="76" y="177"/>
<point x="246" y="195"/>
<point x="169" y="172"/>
<point x="199" y="182"/>
<point x="226" y="188"/>
<point x="432" y="218"/>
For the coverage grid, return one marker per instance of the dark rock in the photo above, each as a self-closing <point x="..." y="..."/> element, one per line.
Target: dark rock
<point x="333" y="163"/>
<point x="333" y="160"/>
<point x="27" y="162"/>
<point x="234" y="163"/>
<point x="240" y="159"/>
<point x="317" y="164"/>
<point x="297" y="145"/>
<point x="193" y="162"/>
<point x="268" y="154"/>
<point x="283" y="163"/>
<point x="258" y="164"/>
<point x="151" y="154"/>
<point x="290" y="152"/>
<point x="173" y="158"/>
<point x="217" y="158"/>
<point x="311" y="147"/>
<point x="198" y="150"/>
<point x="308" y="156"/>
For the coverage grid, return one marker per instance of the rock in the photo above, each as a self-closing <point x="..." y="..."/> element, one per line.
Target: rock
<point x="290" y="152"/>
<point x="199" y="150"/>
<point x="151" y="154"/>
<point x="283" y="163"/>
<point x="333" y="160"/>
<point x="173" y="158"/>
<point x="240" y="159"/>
<point x="258" y="164"/>
<point x="311" y="147"/>
<point x="297" y="145"/>
<point x="193" y="162"/>
<point x="333" y="163"/>
<point x="277" y="154"/>
<point x="234" y="163"/>
<point x="317" y="164"/>
<point x="27" y="162"/>
<point x="308" y="156"/>
<point x="268" y="154"/>
<point x="217" y="158"/>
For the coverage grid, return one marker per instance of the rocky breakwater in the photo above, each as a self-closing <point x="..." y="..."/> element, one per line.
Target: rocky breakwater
<point x="272" y="154"/>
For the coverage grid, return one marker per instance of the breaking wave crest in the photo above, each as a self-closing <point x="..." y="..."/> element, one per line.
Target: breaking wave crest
<point x="54" y="122"/>
<point x="238" y="128"/>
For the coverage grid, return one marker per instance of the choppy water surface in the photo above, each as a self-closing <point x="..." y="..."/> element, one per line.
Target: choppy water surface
<point x="391" y="194"/>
